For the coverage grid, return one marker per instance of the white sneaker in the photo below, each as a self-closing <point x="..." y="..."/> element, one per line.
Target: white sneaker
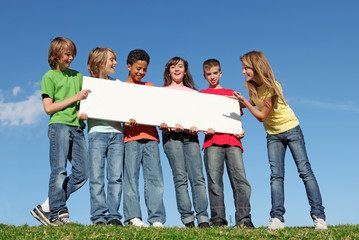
<point x="319" y="223"/>
<point x="157" y="224"/>
<point x="275" y="223"/>
<point x="137" y="222"/>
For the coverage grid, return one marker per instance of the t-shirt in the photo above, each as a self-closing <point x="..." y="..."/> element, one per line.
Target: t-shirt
<point x="141" y="131"/>
<point x="104" y="126"/>
<point x="281" y="118"/>
<point x="61" y="85"/>
<point x="221" y="138"/>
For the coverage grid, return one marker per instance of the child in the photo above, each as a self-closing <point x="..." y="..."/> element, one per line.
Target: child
<point x="105" y="141"/>
<point x="141" y="147"/>
<point x="61" y="93"/>
<point x="283" y="130"/>
<point x="220" y="148"/>
<point x="184" y="153"/>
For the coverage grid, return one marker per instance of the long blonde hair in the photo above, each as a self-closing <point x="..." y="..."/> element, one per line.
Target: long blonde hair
<point x="97" y="61"/>
<point x="262" y="70"/>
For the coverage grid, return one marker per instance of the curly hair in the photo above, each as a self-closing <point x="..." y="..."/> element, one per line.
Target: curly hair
<point x="138" y="55"/>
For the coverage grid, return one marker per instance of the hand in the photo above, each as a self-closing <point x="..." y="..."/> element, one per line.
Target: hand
<point x="82" y="94"/>
<point x="178" y="128"/>
<point x="164" y="126"/>
<point x="82" y="116"/>
<point x="132" y="123"/>
<point x="240" y="136"/>
<point x="239" y="97"/>
<point x="193" y="129"/>
<point x="210" y="131"/>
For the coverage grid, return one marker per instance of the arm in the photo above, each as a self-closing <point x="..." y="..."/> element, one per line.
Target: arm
<point x="260" y="115"/>
<point x="50" y="107"/>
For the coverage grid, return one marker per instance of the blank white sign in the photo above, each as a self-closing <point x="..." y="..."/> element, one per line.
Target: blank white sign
<point x="119" y="101"/>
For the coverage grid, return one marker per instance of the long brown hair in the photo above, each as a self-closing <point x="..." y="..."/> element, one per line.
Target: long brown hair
<point x="262" y="70"/>
<point x="187" y="79"/>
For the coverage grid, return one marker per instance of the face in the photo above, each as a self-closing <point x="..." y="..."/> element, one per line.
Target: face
<point x="137" y="70"/>
<point x="65" y="60"/>
<point x="110" y="63"/>
<point x="248" y="73"/>
<point x="177" y="72"/>
<point x="212" y="75"/>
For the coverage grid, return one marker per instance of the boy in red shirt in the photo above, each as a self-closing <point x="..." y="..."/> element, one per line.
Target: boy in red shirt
<point x="220" y="148"/>
<point x="141" y="148"/>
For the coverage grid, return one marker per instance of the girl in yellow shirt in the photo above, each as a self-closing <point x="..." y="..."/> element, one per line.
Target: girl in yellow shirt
<point x="283" y="131"/>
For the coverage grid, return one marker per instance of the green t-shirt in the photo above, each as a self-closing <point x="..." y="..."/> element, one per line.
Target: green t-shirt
<point x="60" y="86"/>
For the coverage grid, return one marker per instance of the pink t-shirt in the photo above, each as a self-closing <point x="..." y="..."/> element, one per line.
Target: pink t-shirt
<point x="221" y="138"/>
<point x="141" y="131"/>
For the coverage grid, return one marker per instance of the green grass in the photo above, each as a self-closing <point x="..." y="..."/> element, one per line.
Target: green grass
<point x="77" y="231"/>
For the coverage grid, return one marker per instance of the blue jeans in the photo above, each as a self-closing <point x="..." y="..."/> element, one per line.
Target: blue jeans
<point x="277" y="145"/>
<point x="214" y="158"/>
<point x="108" y="145"/>
<point x="66" y="143"/>
<point x="184" y="155"/>
<point x="145" y="152"/>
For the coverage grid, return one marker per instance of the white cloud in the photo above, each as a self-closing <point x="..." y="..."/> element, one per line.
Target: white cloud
<point x="26" y="112"/>
<point x="343" y="105"/>
<point x="16" y="90"/>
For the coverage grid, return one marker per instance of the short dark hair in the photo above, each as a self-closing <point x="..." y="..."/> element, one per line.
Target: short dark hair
<point x="211" y="63"/>
<point x="138" y="55"/>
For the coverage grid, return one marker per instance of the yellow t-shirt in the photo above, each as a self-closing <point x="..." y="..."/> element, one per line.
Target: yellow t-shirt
<point x="281" y="118"/>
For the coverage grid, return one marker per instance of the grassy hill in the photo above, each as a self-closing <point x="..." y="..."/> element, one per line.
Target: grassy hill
<point x="77" y="231"/>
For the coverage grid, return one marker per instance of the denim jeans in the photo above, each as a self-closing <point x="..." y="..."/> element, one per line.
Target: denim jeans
<point x="214" y="158"/>
<point x="66" y="143"/>
<point x="107" y="145"/>
<point x="145" y="152"/>
<point x="277" y="145"/>
<point x="184" y="155"/>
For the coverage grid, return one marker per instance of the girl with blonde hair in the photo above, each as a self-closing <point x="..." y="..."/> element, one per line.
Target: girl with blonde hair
<point x="105" y="141"/>
<point x="283" y="131"/>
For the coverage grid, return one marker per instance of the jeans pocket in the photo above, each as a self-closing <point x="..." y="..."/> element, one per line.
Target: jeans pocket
<point x="91" y="137"/>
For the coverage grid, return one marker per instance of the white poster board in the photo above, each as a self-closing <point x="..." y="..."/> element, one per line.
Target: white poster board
<point x="119" y="101"/>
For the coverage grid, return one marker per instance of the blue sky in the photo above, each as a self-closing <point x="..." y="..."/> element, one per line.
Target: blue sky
<point x="311" y="45"/>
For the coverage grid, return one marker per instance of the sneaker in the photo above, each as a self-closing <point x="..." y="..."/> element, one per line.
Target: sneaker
<point x="275" y="223"/>
<point x="218" y="222"/>
<point x="189" y="225"/>
<point x="157" y="224"/>
<point x="41" y="215"/>
<point x="246" y="224"/>
<point x="61" y="219"/>
<point x="136" y="222"/>
<point x="204" y="225"/>
<point x="320" y="224"/>
<point x="115" y="222"/>
<point x="100" y="223"/>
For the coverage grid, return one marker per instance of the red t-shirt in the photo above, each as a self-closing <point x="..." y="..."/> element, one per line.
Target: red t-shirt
<point x="221" y="138"/>
<point x="141" y="131"/>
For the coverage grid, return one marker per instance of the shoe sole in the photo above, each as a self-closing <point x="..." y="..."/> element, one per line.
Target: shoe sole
<point x="40" y="217"/>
